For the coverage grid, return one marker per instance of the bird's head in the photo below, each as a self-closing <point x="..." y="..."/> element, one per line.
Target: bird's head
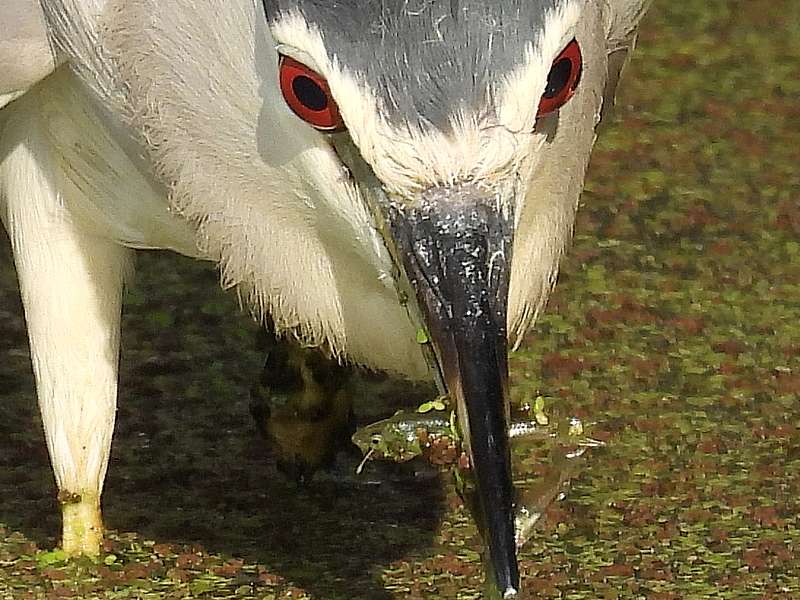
<point x="466" y="128"/>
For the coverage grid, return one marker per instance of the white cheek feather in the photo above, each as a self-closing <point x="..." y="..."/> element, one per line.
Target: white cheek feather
<point x="547" y="213"/>
<point x="520" y="92"/>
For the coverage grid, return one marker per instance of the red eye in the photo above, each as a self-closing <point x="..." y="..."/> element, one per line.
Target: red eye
<point x="308" y="95"/>
<point x="564" y="77"/>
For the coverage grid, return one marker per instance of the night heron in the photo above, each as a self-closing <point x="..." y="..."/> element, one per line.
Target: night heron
<point x="361" y="171"/>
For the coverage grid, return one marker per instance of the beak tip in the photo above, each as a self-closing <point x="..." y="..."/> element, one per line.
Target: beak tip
<point x="455" y="246"/>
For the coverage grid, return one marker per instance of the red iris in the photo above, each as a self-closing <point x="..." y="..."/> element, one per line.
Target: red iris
<point x="308" y="95"/>
<point x="565" y="74"/>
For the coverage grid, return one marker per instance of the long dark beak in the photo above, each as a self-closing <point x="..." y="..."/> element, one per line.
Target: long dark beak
<point x="455" y="246"/>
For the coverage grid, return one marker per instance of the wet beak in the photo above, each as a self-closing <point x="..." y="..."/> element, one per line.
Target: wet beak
<point x="455" y="246"/>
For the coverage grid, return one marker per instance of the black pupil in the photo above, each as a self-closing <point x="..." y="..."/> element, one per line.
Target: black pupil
<point x="309" y="93"/>
<point x="558" y="78"/>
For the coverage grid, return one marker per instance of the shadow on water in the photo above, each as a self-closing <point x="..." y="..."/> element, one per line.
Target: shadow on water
<point x="187" y="465"/>
<point x="328" y="538"/>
